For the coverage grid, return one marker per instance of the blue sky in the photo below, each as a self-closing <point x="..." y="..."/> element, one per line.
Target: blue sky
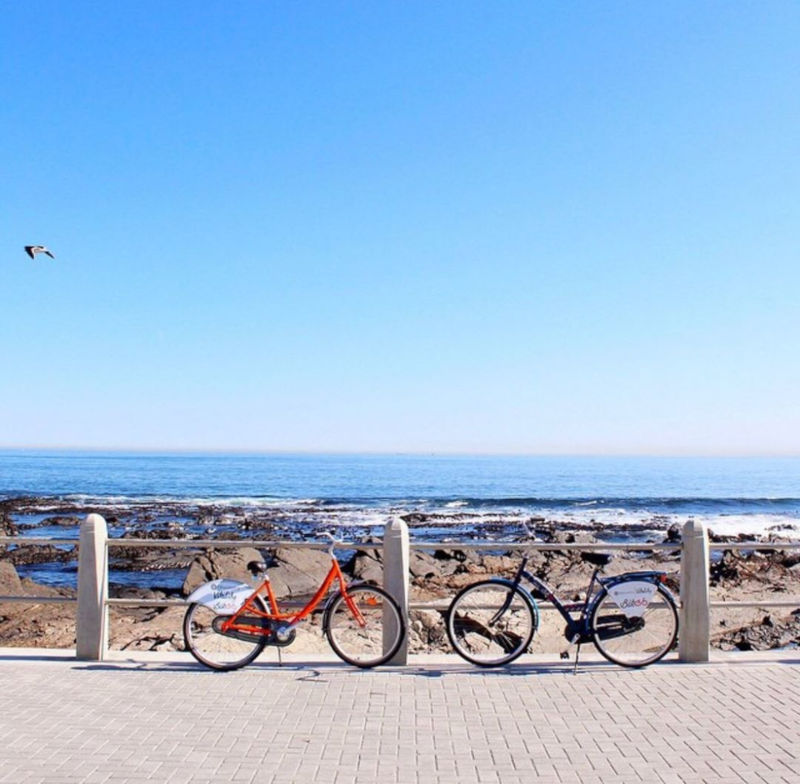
<point x="434" y="227"/>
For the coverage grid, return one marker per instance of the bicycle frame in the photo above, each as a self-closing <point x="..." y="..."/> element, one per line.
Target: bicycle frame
<point x="577" y="630"/>
<point x="287" y="620"/>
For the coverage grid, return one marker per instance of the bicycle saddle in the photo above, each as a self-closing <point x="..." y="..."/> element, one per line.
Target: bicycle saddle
<point x="597" y="559"/>
<point x="256" y="567"/>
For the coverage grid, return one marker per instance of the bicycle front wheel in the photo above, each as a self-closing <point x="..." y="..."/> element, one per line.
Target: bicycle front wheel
<point x="491" y="623"/>
<point x="635" y="641"/>
<point x="364" y="626"/>
<point x="216" y="650"/>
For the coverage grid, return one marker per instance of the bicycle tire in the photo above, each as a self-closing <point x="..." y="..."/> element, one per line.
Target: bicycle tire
<point x="215" y="650"/>
<point x="376" y="640"/>
<point x="482" y="638"/>
<point x="634" y="642"/>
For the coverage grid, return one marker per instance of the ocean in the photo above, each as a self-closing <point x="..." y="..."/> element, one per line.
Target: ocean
<point x="482" y="497"/>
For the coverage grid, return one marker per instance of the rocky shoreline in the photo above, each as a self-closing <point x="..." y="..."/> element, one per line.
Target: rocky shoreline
<point x="435" y="576"/>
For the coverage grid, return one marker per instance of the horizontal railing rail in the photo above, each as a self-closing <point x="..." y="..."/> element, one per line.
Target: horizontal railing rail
<point x="30" y="599"/>
<point x="264" y="544"/>
<point x="754" y="546"/>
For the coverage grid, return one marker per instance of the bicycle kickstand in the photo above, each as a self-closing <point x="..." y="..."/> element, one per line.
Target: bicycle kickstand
<point x="280" y="656"/>
<point x="577" y="655"/>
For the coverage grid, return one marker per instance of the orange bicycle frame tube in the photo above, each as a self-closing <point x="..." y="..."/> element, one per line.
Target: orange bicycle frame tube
<point x="251" y="608"/>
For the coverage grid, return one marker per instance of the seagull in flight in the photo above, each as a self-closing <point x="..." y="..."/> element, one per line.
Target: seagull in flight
<point x="32" y="250"/>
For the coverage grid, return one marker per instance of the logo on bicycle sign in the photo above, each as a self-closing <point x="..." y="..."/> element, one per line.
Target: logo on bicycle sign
<point x="632" y="596"/>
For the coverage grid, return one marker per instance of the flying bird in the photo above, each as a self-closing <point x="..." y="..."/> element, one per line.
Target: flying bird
<point x="32" y="250"/>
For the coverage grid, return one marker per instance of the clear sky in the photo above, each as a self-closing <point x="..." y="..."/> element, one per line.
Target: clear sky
<point x="436" y="227"/>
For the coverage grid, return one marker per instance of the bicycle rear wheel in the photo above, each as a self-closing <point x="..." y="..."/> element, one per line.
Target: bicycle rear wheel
<point x="491" y="623"/>
<point x="634" y="641"/>
<point x="364" y="628"/>
<point x="215" y="650"/>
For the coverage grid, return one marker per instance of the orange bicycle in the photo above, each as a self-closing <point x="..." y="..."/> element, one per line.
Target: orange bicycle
<point x="228" y="623"/>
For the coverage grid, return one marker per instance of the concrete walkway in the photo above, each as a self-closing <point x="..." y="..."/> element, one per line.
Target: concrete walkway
<point x="162" y="718"/>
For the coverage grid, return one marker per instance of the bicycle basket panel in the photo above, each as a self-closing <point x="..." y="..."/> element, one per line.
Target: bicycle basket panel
<point x="632" y="596"/>
<point x="223" y="596"/>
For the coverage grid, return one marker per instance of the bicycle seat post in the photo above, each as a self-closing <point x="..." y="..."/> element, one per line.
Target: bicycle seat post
<point x="590" y="588"/>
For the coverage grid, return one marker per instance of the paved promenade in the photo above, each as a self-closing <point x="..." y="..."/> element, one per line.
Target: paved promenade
<point x="161" y="718"/>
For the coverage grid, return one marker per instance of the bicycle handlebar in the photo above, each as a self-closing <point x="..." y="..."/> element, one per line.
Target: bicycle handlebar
<point x="527" y="530"/>
<point x="333" y="541"/>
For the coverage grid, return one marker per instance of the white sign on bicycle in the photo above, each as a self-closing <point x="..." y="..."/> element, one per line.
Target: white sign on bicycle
<point x="222" y="596"/>
<point x="632" y="596"/>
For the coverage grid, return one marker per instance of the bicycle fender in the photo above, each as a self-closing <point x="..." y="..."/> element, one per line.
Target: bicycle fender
<point x="651" y="577"/>
<point x="647" y="577"/>
<point x="224" y="596"/>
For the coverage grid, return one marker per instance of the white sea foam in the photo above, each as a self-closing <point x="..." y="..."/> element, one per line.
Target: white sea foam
<point x="310" y="511"/>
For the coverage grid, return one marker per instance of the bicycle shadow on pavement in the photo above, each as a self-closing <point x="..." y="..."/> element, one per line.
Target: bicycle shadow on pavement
<point x="312" y="668"/>
<point x="315" y="671"/>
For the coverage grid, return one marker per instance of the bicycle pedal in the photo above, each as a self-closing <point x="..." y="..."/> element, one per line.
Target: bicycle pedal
<point x="564" y="654"/>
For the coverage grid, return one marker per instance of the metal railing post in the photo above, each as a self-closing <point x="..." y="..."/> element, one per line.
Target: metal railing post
<point x="395" y="580"/>
<point x="91" y="630"/>
<point x="695" y="632"/>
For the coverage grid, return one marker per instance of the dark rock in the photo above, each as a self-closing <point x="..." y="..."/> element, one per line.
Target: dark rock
<point x="214" y="564"/>
<point x="791" y="559"/>
<point x="63" y="521"/>
<point x="10" y="584"/>
<point x="766" y="634"/>
<point x="28" y="554"/>
<point x="674" y="534"/>
<point x="422" y="564"/>
<point x="7" y="526"/>
<point x="783" y="527"/>
<point x="368" y="567"/>
<point x="444" y="555"/>
<point x="171" y="530"/>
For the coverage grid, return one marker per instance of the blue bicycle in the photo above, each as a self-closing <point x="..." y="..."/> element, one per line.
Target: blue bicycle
<point x="631" y="618"/>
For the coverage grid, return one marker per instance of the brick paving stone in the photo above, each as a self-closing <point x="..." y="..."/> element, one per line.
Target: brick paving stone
<point x="156" y="720"/>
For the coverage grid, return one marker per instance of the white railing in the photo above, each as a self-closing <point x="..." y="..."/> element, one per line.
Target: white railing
<point x="93" y="600"/>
